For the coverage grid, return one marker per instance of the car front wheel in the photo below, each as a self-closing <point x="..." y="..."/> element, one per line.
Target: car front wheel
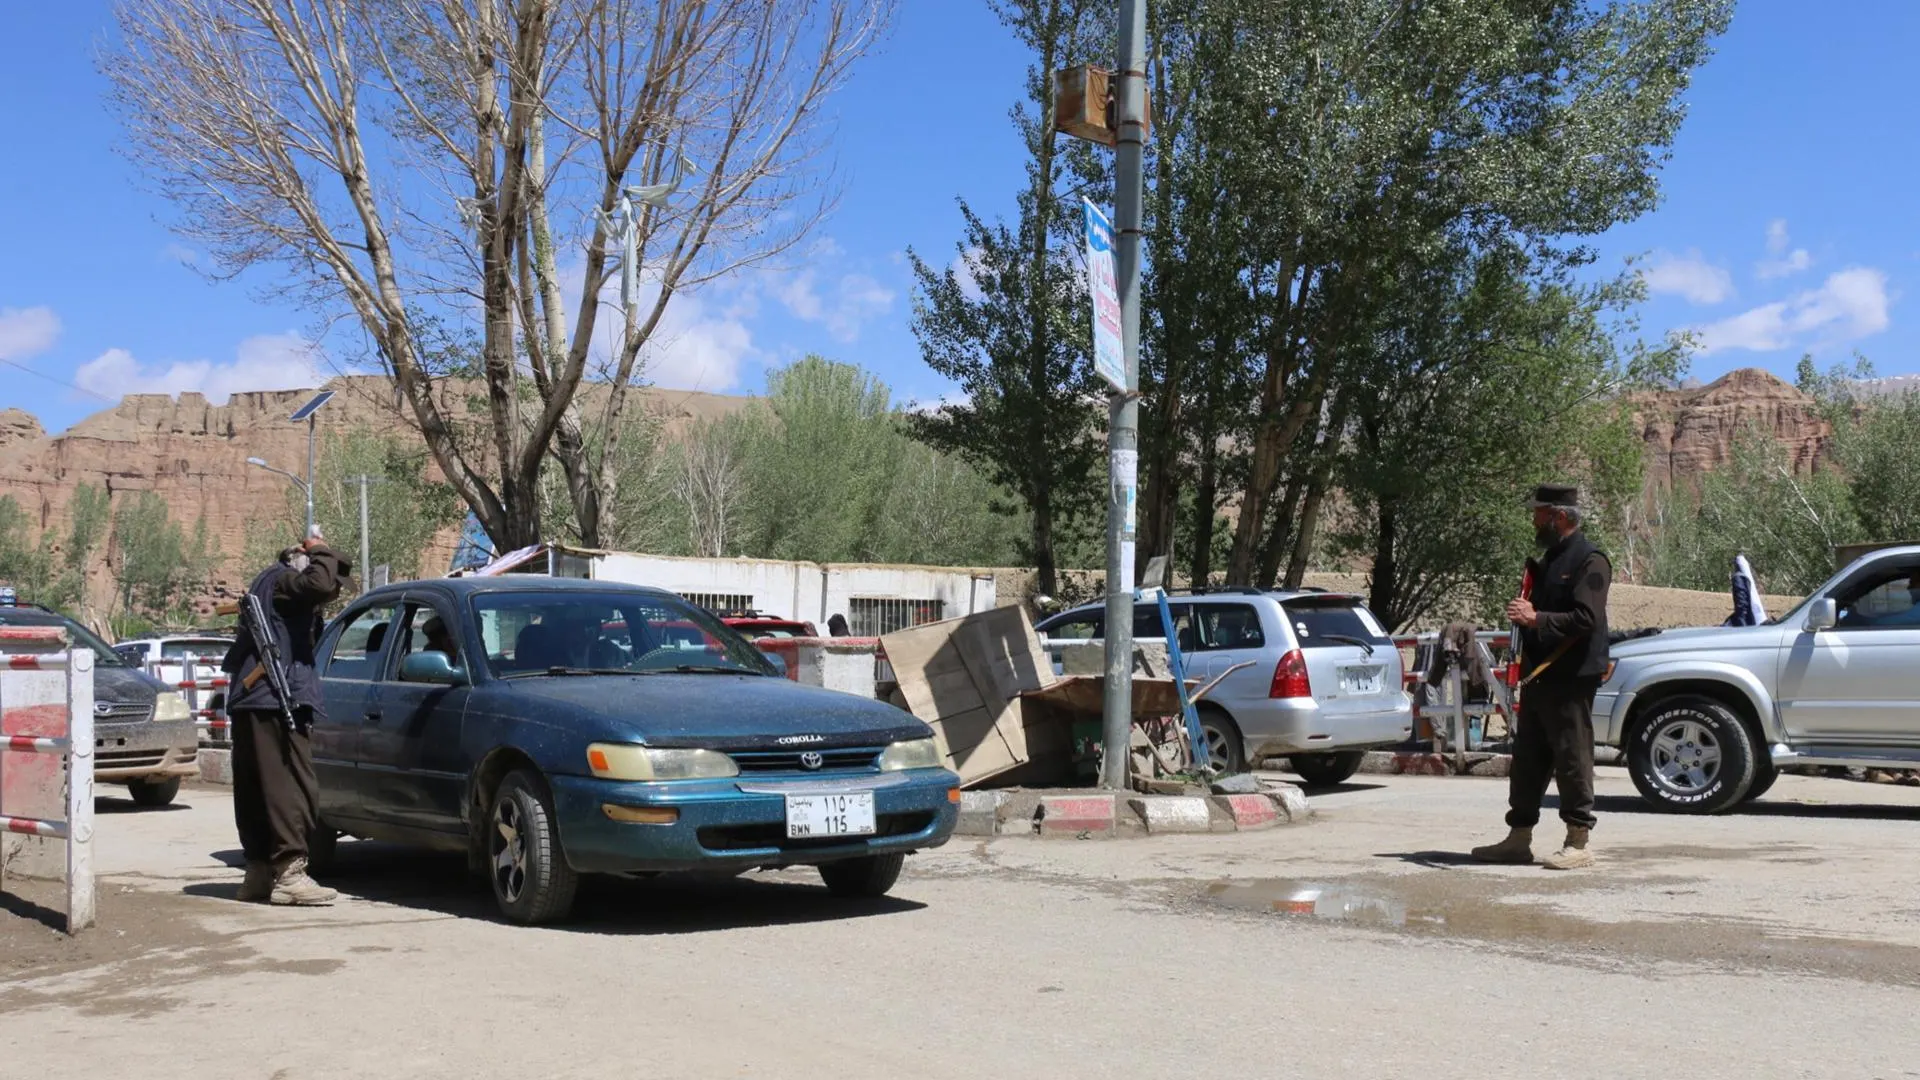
<point x="152" y="792"/>
<point x="531" y="880"/>
<point x="870" y="877"/>
<point x="1692" y="755"/>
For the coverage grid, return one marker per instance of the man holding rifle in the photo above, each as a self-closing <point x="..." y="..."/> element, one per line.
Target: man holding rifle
<point x="1563" y="658"/>
<point x="274" y="699"/>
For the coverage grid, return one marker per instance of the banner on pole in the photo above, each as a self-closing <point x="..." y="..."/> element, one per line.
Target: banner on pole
<point x="1109" y="361"/>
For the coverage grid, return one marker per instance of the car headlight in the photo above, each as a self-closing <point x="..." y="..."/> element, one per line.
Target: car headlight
<point x="1608" y="677"/>
<point x="170" y="707"/>
<point x="621" y="761"/>
<point x="912" y="754"/>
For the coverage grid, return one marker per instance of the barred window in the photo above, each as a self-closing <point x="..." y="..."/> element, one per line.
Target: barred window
<point x="720" y="601"/>
<point x="874" y="616"/>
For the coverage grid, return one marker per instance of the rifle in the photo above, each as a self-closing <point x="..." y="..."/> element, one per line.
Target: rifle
<point x="253" y="618"/>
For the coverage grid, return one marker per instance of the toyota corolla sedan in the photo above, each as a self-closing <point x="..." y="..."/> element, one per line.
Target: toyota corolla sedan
<point x="551" y="727"/>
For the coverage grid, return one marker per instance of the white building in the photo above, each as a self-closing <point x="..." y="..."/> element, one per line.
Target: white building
<point x="875" y="599"/>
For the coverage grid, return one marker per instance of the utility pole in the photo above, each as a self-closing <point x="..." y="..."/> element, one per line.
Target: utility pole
<point x="1123" y="409"/>
<point x="363" y="480"/>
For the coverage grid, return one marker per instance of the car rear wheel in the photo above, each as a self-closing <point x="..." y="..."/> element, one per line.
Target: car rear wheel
<point x="1692" y="755"/>
<point x="530" y="877"/>
<point x="152" y="792"/>
<point x="1225" y="752"/>
<point x="1325" y="770"/>
<point x="869" y="877"/>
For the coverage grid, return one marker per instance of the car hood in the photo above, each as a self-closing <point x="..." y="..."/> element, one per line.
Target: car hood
<point x="124" y="684"/>
<point x="720" y="712"/>
<point x="1697" y="639"/>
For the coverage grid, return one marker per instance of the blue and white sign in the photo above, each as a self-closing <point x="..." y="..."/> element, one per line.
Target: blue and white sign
<point x="1108" y="359"/>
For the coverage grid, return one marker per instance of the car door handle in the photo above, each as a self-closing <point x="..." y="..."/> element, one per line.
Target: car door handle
<point x="373" y="714"/>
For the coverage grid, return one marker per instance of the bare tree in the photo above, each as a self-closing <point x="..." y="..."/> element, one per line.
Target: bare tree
<point x="414" y="162"/>
<point x="711" y="482"/>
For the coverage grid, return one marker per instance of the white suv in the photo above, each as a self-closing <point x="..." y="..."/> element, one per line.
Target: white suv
<point x="166" y="659"/>
<point x="1324" y="686"/>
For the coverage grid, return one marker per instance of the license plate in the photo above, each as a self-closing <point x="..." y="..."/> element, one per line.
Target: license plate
<point x="812" y="816"/>
<point x="1361" y="680"/>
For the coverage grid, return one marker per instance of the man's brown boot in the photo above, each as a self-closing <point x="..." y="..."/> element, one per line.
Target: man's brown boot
<point x="291" y="885"/>
<point x="258" y="885"/>
<point x="1574" y="854"/>
<point x="1516" y="849"/>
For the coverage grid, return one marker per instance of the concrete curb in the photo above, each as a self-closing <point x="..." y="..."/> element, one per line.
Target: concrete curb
<point x="216" y="766"/>
<point x="1172" y="813"/>
<point x="1085" y="815"/>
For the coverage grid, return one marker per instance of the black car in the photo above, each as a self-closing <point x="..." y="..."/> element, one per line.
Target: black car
<point x="143" y="734"/>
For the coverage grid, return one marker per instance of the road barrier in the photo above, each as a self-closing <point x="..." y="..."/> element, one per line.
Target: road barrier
<point x="46" y="753"/>
<point x="212" y="720"/>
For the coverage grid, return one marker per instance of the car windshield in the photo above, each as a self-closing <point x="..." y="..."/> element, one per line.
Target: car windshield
<point x="555" y="633"/>
<point x="199" y="648"/>
<point x="103" y="653"/>
<point x="1321" y="624"/>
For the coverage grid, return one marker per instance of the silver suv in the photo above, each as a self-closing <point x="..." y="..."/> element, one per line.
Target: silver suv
<point x="1707" y="717"/>
<point x="1323" y="687"/>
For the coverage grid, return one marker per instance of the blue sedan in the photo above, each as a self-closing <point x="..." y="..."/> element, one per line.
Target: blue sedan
<point x="550" y="728"/>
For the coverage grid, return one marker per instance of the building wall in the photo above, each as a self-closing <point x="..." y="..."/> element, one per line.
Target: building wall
<point x="801" y="590"/>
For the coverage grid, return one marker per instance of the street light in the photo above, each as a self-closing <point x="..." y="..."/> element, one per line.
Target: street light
<point x="306" y="412"/>
<point x="301" y="484"/>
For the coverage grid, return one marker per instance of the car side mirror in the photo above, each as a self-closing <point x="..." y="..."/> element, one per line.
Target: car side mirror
<point x="779" y="662"/>
<point x="431" y="666"/>
<point x="1823" y="615"/>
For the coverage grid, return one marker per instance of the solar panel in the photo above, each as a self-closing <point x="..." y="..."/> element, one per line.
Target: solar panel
<point x="307" y="410"/>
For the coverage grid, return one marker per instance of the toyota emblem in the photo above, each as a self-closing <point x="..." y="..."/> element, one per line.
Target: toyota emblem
<point x="102" y="708"/>
<point x="811" y="760"/>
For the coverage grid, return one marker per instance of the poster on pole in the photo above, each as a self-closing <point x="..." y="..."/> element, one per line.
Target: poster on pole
<point x="1109" y="362"/>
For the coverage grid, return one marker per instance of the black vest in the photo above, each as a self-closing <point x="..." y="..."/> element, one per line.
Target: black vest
<point x="297" y="628"/>
<point x="1554" y="577"/>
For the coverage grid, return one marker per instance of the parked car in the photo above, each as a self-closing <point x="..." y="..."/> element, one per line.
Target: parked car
<point x="1707" y="717"/>
<point x="143" y="735"/>
<point x="1324" y="686"/>
<point x="166" y="659"/>
<point x="759" y="624"/>
<point x="566" y="727"/>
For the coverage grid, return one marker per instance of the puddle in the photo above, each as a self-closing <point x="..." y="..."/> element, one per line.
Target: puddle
<point x="1485" y="911"/>
<point x="1318" y="901"/>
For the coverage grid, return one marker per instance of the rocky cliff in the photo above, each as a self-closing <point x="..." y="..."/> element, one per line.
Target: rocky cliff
<point x="1690" y="432"/>
<point x="194" y="453"/>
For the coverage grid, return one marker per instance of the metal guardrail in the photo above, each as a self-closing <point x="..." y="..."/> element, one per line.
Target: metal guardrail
<point x="212" y="722"/>
<point x="75" y="749"/>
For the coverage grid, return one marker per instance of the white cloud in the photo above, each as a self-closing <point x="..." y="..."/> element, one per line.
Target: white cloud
<point x="857" y="299"/>
<point x="182" y="254"/>
<point x="694" y="349"/>
<point x="1784" y="262"/>
<point x="1851" y="304"/>
<point x="1689" y="276"/>
<point x="262" y="362"/>
<point x="951" y="397"/>
<point x="27" y="332"/>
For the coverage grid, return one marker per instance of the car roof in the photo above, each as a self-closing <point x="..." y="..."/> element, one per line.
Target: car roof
<point x="23" y="616"/>
<point x="508" y="583"/>
<point x="1232" y="596"/>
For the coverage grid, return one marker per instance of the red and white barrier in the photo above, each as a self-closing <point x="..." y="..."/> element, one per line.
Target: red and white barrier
<point x="212" y="722"/>
<point x="46" y="758"/>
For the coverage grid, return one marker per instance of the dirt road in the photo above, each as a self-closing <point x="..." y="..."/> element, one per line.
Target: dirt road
<point x="1780" y="942"/>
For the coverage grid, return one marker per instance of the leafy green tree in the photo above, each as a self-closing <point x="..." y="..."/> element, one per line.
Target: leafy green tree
<point x="1009" y="320"/>
<point x="26" y="561"/>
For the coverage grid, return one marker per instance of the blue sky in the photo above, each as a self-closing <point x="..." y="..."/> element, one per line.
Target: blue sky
<point x="1788" y="223"/>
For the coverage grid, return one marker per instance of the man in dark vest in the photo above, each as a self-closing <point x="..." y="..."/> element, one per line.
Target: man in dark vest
<point x="275" y="801"/>
<point x="1563" y="658"/>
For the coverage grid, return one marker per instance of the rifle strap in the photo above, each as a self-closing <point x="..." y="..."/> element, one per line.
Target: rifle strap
<point x="1566" y="645"/>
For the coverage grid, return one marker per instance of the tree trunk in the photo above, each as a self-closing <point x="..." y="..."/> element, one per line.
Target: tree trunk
<point x="1037" y="328"/>
<point x="1204" y="497"/>
<point x="1306" y="530"/>
<point x="1383" y="594"/>
<point x="1046" y="573"/>
<point x="1281" y="532"/>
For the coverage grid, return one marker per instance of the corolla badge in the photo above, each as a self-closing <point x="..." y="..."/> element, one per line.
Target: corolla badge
<point x="790" y="740"/>
<point x="811" y="760"/>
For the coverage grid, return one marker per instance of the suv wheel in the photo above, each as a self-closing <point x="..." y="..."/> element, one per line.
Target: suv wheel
<point x="1764" y="774"/>
<point x="1325" y="770"/>
<point x="154" y="792"/>
<point x="1224" y="750"/>
<point x="865" y="878"/>
<point x="1691" y="755"/>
